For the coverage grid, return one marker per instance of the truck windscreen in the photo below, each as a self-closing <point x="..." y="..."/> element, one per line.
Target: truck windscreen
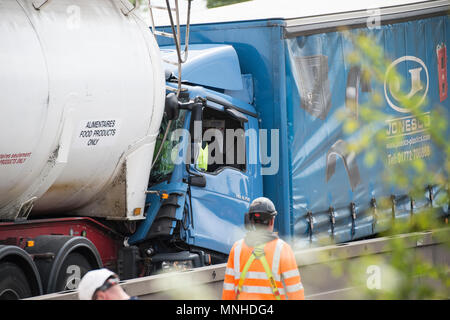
<point x="164" y="166"/>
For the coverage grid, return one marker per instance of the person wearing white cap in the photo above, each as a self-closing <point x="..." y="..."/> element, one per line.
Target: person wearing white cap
<point x="101" y="284"/>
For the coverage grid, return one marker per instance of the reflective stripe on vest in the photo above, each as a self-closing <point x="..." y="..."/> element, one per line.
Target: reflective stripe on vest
<point x="260" y="289"/>
<point x="237" y="257"/>
<point x="290" y="274"/>
<point x="294" y="287"/>
<point x="277" y="256"/>
<point x="252" y="275"/>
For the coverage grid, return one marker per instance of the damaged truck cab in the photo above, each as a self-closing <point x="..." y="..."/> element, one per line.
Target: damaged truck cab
<point x="194" y="203"/>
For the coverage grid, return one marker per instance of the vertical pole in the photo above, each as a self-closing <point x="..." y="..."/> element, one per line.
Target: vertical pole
<point x="373" y="204"/>
<point x="332" y="220"/>
<point x="393" y="206"/>
<point x="311" y="224"/>
<point x="353" y="213"/>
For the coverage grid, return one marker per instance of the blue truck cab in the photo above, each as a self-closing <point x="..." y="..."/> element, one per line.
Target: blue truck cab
<point x="275" y="87"/>
<point x="205" y="205"/>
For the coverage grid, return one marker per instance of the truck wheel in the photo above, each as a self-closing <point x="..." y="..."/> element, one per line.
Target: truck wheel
<point x="13" y="282"/>
<point x="72" y="270"/>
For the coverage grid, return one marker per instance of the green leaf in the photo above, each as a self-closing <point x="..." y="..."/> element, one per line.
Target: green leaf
<point x="220" y="3"/>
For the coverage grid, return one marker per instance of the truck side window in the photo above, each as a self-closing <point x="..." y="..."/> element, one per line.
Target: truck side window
<point x="223" y="142"/>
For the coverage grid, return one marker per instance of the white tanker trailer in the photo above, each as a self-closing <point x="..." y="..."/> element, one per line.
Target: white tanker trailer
<point x="82" y="97"/>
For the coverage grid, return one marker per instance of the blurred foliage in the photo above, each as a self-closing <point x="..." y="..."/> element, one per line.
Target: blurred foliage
<point x="133" y="2"/>
<point x="405" y="274"/>
<point x="220" y="3"/>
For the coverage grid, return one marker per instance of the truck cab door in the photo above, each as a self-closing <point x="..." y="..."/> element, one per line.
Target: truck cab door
<point x="224" y="179"/>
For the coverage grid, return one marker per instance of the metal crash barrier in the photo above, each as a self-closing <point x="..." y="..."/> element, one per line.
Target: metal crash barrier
<point x="318" y="268"/>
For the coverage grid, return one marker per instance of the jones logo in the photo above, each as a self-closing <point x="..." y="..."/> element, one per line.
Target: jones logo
<point x="393" y="89"/>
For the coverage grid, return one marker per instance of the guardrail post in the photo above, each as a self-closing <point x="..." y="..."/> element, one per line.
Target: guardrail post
<point x="311" y="224"/>
<point x="332" y="220"/>
<point x="353" y="214"/>
<point x="373" y="204"/>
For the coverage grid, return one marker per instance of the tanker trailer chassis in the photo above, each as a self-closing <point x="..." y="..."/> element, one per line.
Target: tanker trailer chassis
<point x="44" y="256"/>
<point x="51" y="255"/>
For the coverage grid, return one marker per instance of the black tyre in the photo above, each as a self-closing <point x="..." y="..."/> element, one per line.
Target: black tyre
<point x="72" y="270"/>
<point x="13" y="282"/>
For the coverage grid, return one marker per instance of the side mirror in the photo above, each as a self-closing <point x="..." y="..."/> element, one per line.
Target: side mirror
<point x="171" y="107"/>
<point x="197" y="112"/>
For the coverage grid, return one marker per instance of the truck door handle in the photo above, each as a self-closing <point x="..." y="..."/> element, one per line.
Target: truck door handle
<point x="197" y="181"/>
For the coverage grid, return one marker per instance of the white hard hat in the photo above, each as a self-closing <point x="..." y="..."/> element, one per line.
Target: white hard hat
<point x="92" y="281"/>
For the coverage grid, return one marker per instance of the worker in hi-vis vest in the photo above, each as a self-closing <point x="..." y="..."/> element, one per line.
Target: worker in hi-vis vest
<point x="261" y="266"/>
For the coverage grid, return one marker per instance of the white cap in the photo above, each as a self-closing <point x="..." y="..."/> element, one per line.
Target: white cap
<point x="92" y="281"/>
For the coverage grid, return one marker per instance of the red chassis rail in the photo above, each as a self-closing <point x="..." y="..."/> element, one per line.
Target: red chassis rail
<point x="105" y="239"/>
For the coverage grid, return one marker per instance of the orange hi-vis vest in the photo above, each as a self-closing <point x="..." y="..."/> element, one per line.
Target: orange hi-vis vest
<point x="256" y="285"/>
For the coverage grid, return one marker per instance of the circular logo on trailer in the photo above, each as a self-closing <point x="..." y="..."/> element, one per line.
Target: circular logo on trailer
<point x="417" y="83"/>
